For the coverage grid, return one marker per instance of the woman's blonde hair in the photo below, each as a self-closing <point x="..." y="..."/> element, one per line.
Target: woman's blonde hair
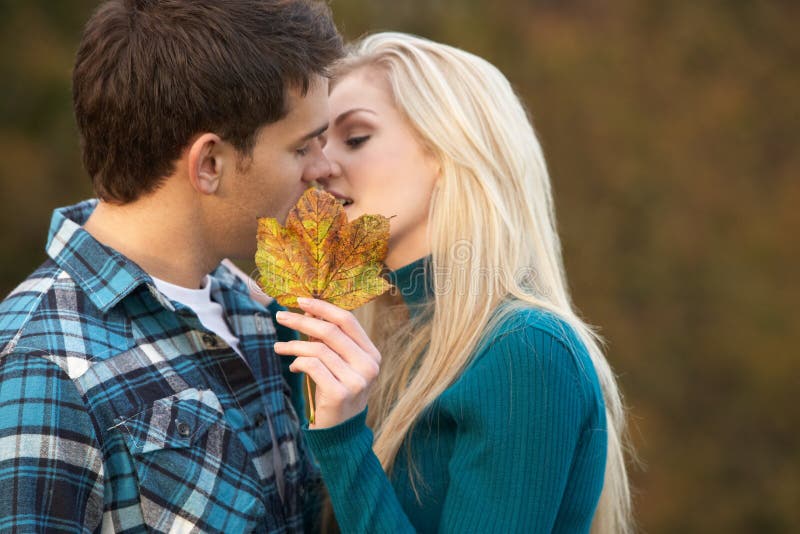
<point x="492" y="232"/>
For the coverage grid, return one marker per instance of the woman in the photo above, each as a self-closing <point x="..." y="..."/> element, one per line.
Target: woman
<point x="494" y="409"/>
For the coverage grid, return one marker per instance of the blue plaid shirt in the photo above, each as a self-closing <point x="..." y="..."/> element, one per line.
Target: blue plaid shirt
<point x="120" y="412"/>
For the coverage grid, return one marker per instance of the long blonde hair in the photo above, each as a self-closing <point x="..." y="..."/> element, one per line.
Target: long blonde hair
<point x="492" y="232"/>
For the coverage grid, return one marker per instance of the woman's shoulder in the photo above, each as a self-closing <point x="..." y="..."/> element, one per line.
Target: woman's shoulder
<point x="530" y="359"/>
<point x="537" y="341"/>
<point x="532" y="327"/>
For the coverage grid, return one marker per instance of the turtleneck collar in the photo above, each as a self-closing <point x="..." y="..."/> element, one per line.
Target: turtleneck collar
<point x="415" y="283"/>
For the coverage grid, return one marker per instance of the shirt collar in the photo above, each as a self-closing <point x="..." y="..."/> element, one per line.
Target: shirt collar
<point x="415" y="283"/>
<point x="104" y="275"/>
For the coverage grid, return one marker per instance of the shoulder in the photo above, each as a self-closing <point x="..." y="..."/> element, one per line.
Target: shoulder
<point x="29" y="300"/>
<point x="49" y="314"/>
<point x="532" y="331"/>
<point x="536" y="349"/>
<point x="527" y="324"/>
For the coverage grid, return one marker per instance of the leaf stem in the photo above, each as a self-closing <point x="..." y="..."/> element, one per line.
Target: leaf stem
<point x="309" y="390"/>
<point x="310" y="395"/>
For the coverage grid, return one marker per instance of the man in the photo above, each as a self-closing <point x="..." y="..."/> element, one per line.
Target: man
<point x="138" y="392"/>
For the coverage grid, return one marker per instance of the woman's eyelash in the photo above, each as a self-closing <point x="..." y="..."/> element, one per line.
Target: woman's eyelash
<point x="355" y="142"/>
<point x="302" y="151"/>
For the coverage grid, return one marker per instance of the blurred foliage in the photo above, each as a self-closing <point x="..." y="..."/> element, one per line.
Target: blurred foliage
<point x="672" y="131"/>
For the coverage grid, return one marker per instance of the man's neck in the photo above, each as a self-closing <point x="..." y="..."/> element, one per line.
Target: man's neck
<point x="164" y="238"/>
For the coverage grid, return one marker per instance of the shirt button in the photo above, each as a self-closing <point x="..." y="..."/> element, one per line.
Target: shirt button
<point x="210" y="340"/>
<point x="184" y="429"/>
<point x="260" y="418"/>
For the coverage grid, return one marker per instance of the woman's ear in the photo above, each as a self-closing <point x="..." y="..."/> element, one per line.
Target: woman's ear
<point x="206" y="163"/>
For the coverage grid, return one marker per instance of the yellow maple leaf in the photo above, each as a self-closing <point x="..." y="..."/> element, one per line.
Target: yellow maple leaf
<point x="319" y="254"/>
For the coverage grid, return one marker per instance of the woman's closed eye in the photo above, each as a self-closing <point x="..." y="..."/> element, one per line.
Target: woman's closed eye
<point x="355" y="142"/>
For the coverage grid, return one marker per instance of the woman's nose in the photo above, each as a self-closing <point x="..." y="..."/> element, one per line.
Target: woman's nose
<point x="335" y="168"/>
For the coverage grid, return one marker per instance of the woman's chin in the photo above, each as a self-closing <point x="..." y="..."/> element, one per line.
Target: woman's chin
<point x="352" y="212"/>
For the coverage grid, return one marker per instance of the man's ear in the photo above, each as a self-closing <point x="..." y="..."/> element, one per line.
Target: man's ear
<point x="205" y="163"/>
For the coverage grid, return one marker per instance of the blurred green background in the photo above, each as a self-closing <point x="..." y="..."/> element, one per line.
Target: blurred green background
<point x="672" y="131"/>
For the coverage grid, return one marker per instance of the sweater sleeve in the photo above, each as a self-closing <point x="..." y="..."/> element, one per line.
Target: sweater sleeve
<point x="520" y="416"/>
<point x="362" y="496"/>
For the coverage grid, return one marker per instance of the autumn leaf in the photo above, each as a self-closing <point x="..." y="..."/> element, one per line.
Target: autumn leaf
<point x="319" y="254"/>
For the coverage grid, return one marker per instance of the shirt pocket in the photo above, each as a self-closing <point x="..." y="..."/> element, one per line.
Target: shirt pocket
<point x="189" y="466"/>
<point x="175" y="422"/>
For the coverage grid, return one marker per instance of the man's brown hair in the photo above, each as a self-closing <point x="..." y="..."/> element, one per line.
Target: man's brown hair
<point x="150" y="74"/>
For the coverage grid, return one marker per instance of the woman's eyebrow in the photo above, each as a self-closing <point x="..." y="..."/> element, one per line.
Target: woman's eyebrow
<point x="349" y="112"/>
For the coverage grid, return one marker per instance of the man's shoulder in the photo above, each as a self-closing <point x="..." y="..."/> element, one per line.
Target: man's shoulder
<point x="43" y="311"/>
<point x="19" y="306"/>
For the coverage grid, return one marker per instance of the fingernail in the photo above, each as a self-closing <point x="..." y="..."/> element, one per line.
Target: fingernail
<point x="281" y="315"/>
<point x="303" y="301"/>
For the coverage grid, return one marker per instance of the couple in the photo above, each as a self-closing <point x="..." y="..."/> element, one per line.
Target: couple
<point x="144" y="384"/>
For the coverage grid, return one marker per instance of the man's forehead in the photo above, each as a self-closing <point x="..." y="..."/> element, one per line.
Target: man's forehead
<point x="317" y="89"/>
<point x="309" y="109"/>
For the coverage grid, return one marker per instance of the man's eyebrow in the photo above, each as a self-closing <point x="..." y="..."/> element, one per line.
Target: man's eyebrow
<point x="316" y="133"/>
<point x="349" y="112"/>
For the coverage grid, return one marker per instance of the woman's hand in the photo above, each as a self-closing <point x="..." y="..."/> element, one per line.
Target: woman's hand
<point x="340" y="359"/>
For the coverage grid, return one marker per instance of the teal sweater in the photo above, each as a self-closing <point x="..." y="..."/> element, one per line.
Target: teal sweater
<point x="516" y="444"/>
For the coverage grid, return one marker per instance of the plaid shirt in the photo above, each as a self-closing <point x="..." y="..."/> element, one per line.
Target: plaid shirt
<point x="119" y="411"/>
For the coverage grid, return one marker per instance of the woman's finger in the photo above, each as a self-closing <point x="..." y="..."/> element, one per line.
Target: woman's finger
<point x="328" y="333"/>
<point x="344" y="373"/>
<point x="325" y="382"/>
<point x="342" y="318"/>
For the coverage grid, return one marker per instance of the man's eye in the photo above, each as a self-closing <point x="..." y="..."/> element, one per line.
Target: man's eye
<point x="355" y="142"/>
<point x="302" y="151"/>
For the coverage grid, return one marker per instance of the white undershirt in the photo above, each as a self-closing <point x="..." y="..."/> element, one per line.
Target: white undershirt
<point x="209" y="312"/>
